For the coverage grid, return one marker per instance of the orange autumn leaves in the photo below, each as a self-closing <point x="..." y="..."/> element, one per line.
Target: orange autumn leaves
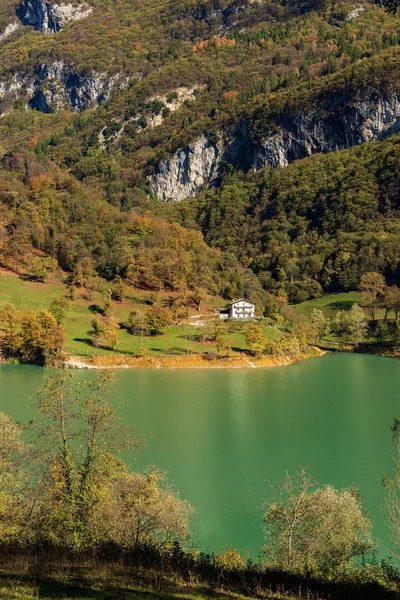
<point x="222" y="41"/>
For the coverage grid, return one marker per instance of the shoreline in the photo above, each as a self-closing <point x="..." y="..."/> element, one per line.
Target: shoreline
<point x="189" y="361"/>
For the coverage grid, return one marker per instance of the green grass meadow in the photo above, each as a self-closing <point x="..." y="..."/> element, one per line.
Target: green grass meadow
<point x="329" y="304"/>
<point x="179" y="339"/>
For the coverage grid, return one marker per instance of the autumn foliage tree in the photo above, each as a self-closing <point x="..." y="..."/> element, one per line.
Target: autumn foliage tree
<point x="14" y="482"/>
<point x="105" y="332"/>
<point x="40" y="267"/>
<point x="317" y="529"/>
<point x="372" y="285"/>
<point x="86" y="495"/>
<point x="143" y="509"/>
<point x="256" y="339"/>
<point x="391" y="484"/>
<point x="31" y="337"/>
<point x="157" y="319"/>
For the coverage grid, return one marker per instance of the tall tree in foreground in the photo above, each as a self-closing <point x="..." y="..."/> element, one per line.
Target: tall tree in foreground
<point x="14" y="482"/>
<point x="87" y="495"/>
<point x="79" y="440"/>
<point x="392" y="492"/>
<point x="284" y="516"/>
<point x="143" y="509"/>
<point x="318" y="530"/>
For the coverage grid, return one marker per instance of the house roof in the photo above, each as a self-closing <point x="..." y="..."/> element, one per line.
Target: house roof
<point x="242" y="300"/>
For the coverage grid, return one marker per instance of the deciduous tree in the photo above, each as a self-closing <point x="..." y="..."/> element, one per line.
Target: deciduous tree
<point x="105" y="332"/>
<point x="39" y="268"/>
<point x="15" y="501"/>
<point x="372" y="285"/>
<point x="391" y="484"/>
<point x="107" y="303"/>
<point x="357" y="325"/>
<point x="256" y="339"/>
<point x="158" y="319"/>
<point x="230" y="560"/>
<point x="119" y="290"/>
<point x="351" y="326"/>
<point x="321" y="529"/>
<point x="320" y="323"/>
<point x="32" y="337"/>
<point x="143" y="510"/>
<point x="391" y="300"/>
<point x="79" y="437"/>
<point x="59" y="308"/>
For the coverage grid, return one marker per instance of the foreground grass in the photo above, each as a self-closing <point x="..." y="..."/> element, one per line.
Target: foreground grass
<point x="116" y="586"/>
<point x="23" y="577"/>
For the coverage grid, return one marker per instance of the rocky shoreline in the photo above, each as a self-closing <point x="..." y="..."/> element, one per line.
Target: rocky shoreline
<point x="189" y="361"/>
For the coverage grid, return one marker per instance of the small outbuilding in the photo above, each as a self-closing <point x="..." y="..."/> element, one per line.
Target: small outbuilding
<point x="239" y="309"/>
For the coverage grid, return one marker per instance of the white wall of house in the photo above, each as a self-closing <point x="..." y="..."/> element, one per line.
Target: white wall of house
<point x="242" y="310"/>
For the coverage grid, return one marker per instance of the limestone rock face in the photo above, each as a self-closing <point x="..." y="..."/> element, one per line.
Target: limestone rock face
<point x="49" y="17"/>
<point x="9" y="30"/>
<point x="187" y="171"/>
<point x="301" y="136"/>
<point x="340" y="125"/>
<point x="57" y="87"/>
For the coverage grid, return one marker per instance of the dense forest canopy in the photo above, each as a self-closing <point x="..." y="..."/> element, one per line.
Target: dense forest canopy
<point x="75" y="180"/>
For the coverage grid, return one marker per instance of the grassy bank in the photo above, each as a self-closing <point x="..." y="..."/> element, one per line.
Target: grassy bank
<point x="188" y="361"/>
<point x="115" y="586"/>
<point x="180" y="346"/>
<point x="141" y="577"/>
<point x="182" y="339"/>
<point x="329" y="304"/>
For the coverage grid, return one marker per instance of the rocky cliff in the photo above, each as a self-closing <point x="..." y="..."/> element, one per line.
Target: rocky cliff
<point x="335" y="124"/>
<point x="58" y="86"/>
<point x="49" y="17"/>
<point x="9" y="30"/>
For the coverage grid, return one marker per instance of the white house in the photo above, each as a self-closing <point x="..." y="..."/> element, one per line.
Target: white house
<point x="239" y="309"/>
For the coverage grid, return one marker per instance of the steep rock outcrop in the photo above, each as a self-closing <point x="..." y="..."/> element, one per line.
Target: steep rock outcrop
<point x="327" y="131"/>
<point x="334" y="125"/>
<point x="187" y="171"/>
<point x="199" y="164"/>
<point x="9" y="30"/>
<point x="49" y="17"/>
<point x="57" y="87"/>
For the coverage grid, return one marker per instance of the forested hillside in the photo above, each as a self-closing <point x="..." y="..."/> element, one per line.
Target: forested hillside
<point x="109" y="109"/>
<point x="314" y="226"/>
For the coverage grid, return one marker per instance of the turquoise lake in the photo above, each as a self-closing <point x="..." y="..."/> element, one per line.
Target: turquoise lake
<point x="221" y="434"/>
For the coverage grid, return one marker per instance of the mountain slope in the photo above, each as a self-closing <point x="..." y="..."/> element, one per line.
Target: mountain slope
<point x="110" y="107"/>
<point x="316" y="225"/>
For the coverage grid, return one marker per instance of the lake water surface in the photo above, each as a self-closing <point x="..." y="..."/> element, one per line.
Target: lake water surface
<point x="222" y="433"/>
